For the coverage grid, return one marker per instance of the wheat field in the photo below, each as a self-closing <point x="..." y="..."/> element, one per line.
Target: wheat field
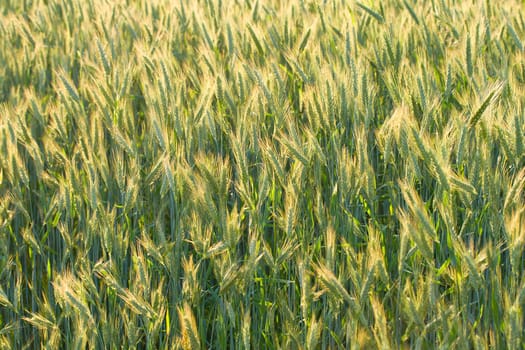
<point x="236" y="174"/>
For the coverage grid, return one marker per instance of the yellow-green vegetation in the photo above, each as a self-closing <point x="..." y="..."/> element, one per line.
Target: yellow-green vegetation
<point x="262" y="174"/>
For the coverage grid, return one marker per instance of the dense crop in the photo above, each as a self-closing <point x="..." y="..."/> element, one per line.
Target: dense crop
<point x="264" y="174"/>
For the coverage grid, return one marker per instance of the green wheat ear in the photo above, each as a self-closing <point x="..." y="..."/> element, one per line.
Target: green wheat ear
<point x="491" y="97"/>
